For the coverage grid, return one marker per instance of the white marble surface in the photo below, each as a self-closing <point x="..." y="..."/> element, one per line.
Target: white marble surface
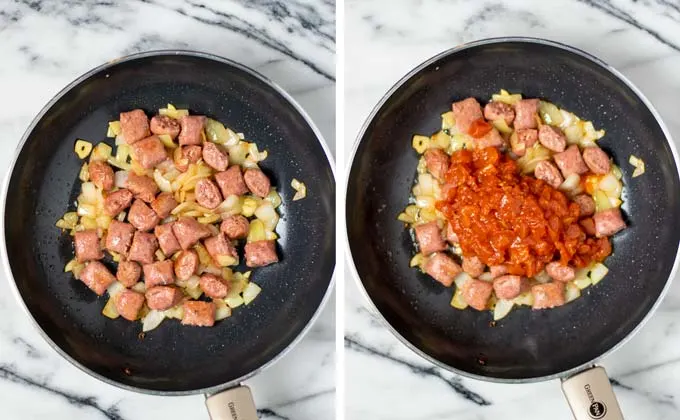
<point x="46" y="44"/>
<point x="385" y="380"/>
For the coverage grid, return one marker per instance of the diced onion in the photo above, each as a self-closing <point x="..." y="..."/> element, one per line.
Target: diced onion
<point x="268" y="215"/>
<point x="110" y="310"/>
<point x="526" y="299"/>
<point x="617" y="172"/>
<point x="609" y="184"/>
<point x="457" y="301"/>
<point x="176" y="312"/>
<point x="542" y="277"/>
<point x="571" y="183"/>
<point x="502" y="308"/>
<point x="163" y="184"/>
<point x="238" y="153"/>
<point x="115" y="288"/>
<point x="501" y="126"/>
<point x="485" y="277"/>
<point x="167" y="141"/>
<point x="256" y="231"/>
<point x="87" y="210"/>
<point x="114" y="129"/>
<point x="69" y="265"/>
<point x="601" y="201"/>
<point x="82" y="148"/>
<point x="439" y="140"/>
<point x="417" y="260"/>
<point x="274" y="198"/>
<point x="300" y="189"/>
<point x="572" y="292"/>
<point x="230" y="206"/>
<point x="84" y="174"/>
<point x="425" y="201"/>
<point x="139" y="287"/>
<point x="173" y="112"/>
<point x="461" y="279"/>
<point x="222" y="311"/>
<point x="582" y="283"/>
<point x="101" y="151"/>
<point x="598" y="272"/>
<point x="119" y="164"/>
<point x="120" y="179"/>
<point x="420" y="143"/>
<point x="549" y="113"/>
<point x="224" y="261"/>
<point x="639" y="165"/>
<point x="152" y="320"/>
<point x="506" y="97"/>
<point x="255" y="154"/>
<point x="574" y="134"/>
<point x="250" y="292"/>
<point x="448" y="120"/>
<point x="249" y="206"/>
<point x="234" y="302"/>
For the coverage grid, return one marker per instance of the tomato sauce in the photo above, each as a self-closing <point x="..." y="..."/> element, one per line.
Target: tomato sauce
<point x="507" y="218"/>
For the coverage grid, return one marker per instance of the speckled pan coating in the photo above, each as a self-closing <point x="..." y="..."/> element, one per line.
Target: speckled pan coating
<point x="527" y="345"/>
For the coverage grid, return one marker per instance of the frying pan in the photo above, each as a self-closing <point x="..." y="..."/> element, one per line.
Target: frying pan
<point x="527" y="345"/>
<point x="172" y="359"/>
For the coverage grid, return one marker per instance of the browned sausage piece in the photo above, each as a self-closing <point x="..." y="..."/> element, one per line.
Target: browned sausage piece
<point x="608" y="222"/>
<point x="546" y="171"/>
<point x="497" y="270"/>
<point x="128" y="273"/>
<point x="149" y="152"/>
<point x="588" y="225"/>
<point x="87" y="245"/>
<point x="161" y="298"/>
<point x="509" y="286"/>
<point x="466" y="112"/>
<point x="161" y="124"/>
<point x="119" y="237"/>
<point x="526" y="112"/>
<point x="101" y="174"/>
<point x="219" y="246"/>
<point x="437" y="162"/>
<point x="117" y="201"/>
<point x="142" y="186"/>
<point x="160" y="273"/>
<point x="491" y="139"/>
<point x="235" y="227"/>
<point x="473" y="266"/>
<point x="192" y="125"/>
<point x="231" y="182"/>
<point x="586" y="203"/>
<point x="129" y="303"/>
<point x="207" y="194"/>
<point x="186" y="264"/>
<point x="477" y="293"/>
<point x="97" y="277"/>
<point x="214" y="157"/>
<point x="185" y="155"/>
<point x="257" y="182"/>
<point x="188" y="231"/>
<point x="498" y="110"/>
<point x="560" y="272"/>
<point x="552" y="138"/>
<point x="597" y="160"/>
<point x="134" y="125"/>
<point x="429" y="238"/>
<point x="261" y="253"/>
<point x="570" y="161"/>
<point x="442" y="268"/>
<point x="142" y="217"/>
<point x="166" y="239"/>
<point x="523" y="139"/>
<point x="213" y="286"/>
<point x="143" y="248"/>
<point x="548" y="295"/>
<point x="164" y="204"/>
<point x="450" y="234"/>
<point x="197" y="313"/>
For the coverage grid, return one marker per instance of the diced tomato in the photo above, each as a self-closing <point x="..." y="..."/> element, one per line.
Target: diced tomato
<point x="479" y="128"/>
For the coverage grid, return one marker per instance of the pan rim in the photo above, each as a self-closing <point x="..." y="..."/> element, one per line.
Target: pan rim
<point x="370" y="118"/>
<point x="4" y="259"/>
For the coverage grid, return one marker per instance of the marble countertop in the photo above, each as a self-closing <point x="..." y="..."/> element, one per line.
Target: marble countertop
<point x="384" y="379"/>
<point x="44" y="45"/>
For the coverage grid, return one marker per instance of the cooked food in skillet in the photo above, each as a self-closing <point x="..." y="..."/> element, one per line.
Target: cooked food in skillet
<point x="169" y="207"/>
<point x="514" y="204"/>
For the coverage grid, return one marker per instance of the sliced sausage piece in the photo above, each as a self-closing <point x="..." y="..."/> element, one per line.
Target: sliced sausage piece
<point x="586" y="204"/>
<point x="149" y="152"/>
<point x="199" y="314"/>
<point x="231" y="182"/>
<point x="477" y="293"/>
<point x="498" y="110"/>
<point x="509" y="287"/>
<point x="442" y="268"/>
<point x="491" y="139"/>
<point x="142" y="186"/>
<point x="162" y="124"/>
<point x="437" y="162"/>
<point x="119" y="237"/>
<point x="161" y="298"/>
<point x="186" y="264"/>
<point x="192" y="125"/>
<point x="214" y="157"/>
<point x="128" y="273"/>
<point x="101" y="174"/>
<point x="164" y="204"/>
<point x="185" y="155"/>
<point x="466" y="112"/>
<point x="213" y="286"/>
<point x="552" y="138"/>
<point x="235" y="227"/>
<point x="497" y="270"/>
<point x="546" y="171"/>
<point x="588" y="225"/>
<point x="570" y="161"/>
<point x="160" y="273"/>
<point x="257" y="182"/>
<point x="261" y="253"/>
<point x="218" y="247"/>
<point x="522" y="140"/>
<point x="429" y="238"/>
<point x="608" y="222"/>
<point x="597" y="160"/>
<point x="450" y="234"/>
<point x="142" y="217"/>
<point x="207" y="194"/>
<point x="473" y="266"/>
<point x="143" y="248"/>
<point x="526" y="112"/>
<point x="117" y="201"/>
<point x="166" y="239"/>
<point x="87" y="245"/>
<point x="134" y="125"/>
<point x="97" y="277"/>
<point x="560" y="272"/>
<point x="188" y="231"/>
<point x="129" y="303"/>
<point x="548" y="295"/>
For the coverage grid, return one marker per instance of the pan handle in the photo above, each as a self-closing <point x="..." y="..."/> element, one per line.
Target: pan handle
<point x="590" y="395"/>
<point x="232" y="404"/>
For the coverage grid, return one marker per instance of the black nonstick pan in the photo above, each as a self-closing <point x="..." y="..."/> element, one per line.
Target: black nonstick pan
<point x="527" y="345"/>
<point x="172" y="359"/>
